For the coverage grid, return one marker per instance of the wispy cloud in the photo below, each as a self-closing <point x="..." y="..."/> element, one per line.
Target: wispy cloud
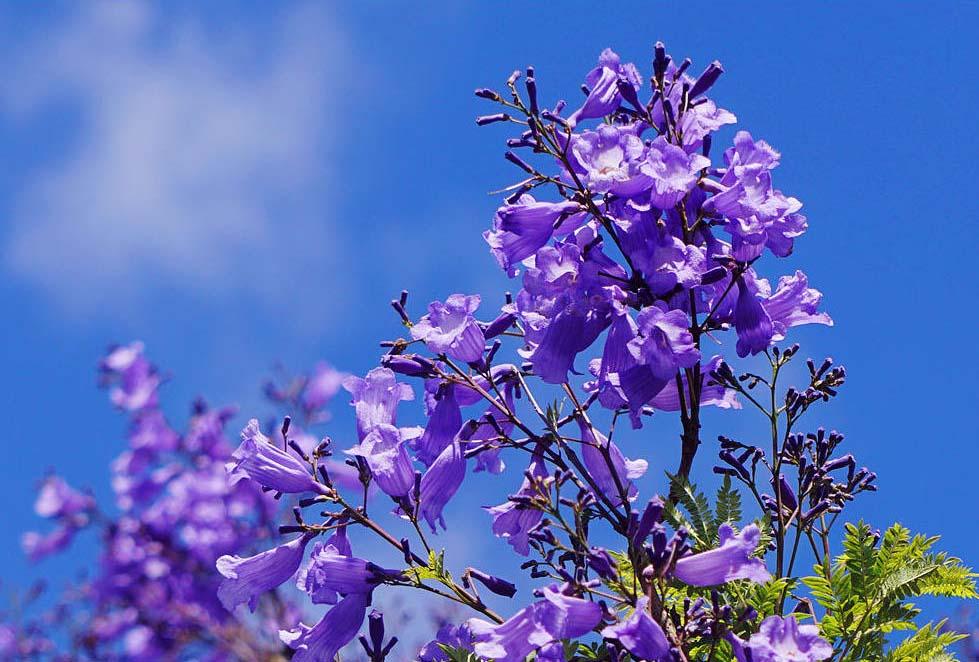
<point x="199" y="164"/>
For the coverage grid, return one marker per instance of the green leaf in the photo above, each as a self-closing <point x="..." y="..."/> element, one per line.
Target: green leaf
<point x="728" y="504"/>
<point x="696" y="515"/>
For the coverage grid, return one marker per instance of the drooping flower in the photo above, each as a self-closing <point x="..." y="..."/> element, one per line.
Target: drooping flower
<point x="558" y="616"/>
<point x="514" y="521"/>
<point x="444" y="422"/>
<point x="794" y="303"/>
<point x="762" y="317"/>
<point x="567" y="301"/>
<point x="375" y="398"/>
<point x="753" y="324"/>
<point x="336" y="629"/>
<point x="780" y="639"/>
<point x="329" y="570"/>
<point x="440" y="483"/>
<point x="666" y="344"/>
<point x="383" y="449"/>
<point x="268" y="465"/>
<point x="731" y="560"/>
<point x="603" y="86"/>
<point x="641" y="635"/>
<point x="455" y="636"/>
<point x="611" y="471"/>
<point x="524" y="227"/>
<point x="245" y="579"/>
<point x="449" y="328"/>
<point x="307" y="579"/>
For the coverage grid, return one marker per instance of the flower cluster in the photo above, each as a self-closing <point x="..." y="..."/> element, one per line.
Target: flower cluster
<point x="634" y="245"/>
<point x="155" y="593"/>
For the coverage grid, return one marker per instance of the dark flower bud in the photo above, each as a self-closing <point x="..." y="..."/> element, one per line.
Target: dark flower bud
<point x="602" y="563"/>
<point x="517" y="161"/>
<point x="486" y="93"/>
<point x="838" y="463"/>
<point x="483" y="120"/>
<point x="707" y="79"/>
<point x="785" y="492"/>
<point x="499" y="325"/>
<point x="651" y="516"/>
<point x="816" y="510"/>
<point x="660" y="59"/>
<point x="628" y="93"/>
<point x="531" y="84"/>
<point x="713" y="275"/>
<point x="494" y="584"/>
<point x="409" y="365"/>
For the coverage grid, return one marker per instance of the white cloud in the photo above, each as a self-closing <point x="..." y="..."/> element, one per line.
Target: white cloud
<point x="199" y="162"/>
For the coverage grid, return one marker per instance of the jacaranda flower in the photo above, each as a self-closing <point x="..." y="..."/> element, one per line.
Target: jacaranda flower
<point x="449" y="328"/>
<point x="246" y="579"/>
<point x="268" y="465"/>
<point x="731" y="560"/>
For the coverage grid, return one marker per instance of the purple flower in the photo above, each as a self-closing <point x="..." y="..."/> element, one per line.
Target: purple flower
<point x="440" y="483"/>
<point x="761" y="317"/>
<point x="136" y="378"/>
<point x="456" y="636"/>
<point x="268" y="465"/>
<point x="641" y="635"/>
<point x="384" y="451"/>
<point x="521" y="229"/>
<point x="331" y="571"/>
<point x="514" y="521"/>
<point x="666" y="344"/>
<point x="608" y="160"/>
<point x="557" y="616"/>
<point x="489" y="458"/>
<point x="782" y="638"/>
<point x="245" y="579"/>
<point x="57" y="499"/>
<point x="612" y="475"/>
<point x="622" y="378"/>
<point x="700" y="120"/>
<point x="307" y="579"/>
<point x="566" y="302"/>
<point x="711" y="394"/>
<point x="444" y="422"/>
<point x="334" y="631"/>
<point x="672" y="172"/>
<point x="794" y="303"/>
<point x="752" y="323"/>
<point x="321" y="386"/>
<point x="449" y="328"/>
<point x="603" y="86"/>
<point x="38" y="546"/>
<point x="375" y="398"/>
<point x="731" y="560"/>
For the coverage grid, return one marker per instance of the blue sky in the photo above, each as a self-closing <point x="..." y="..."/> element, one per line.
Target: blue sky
<point x="243" y="184"/>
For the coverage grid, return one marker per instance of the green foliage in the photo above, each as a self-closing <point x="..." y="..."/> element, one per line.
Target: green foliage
<point x="435" y="570"/>
<point x="693" y="510"/>
<point x="929" y="644"/>
<point x="865" y="594"/>
<point x="728" y="507"/>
